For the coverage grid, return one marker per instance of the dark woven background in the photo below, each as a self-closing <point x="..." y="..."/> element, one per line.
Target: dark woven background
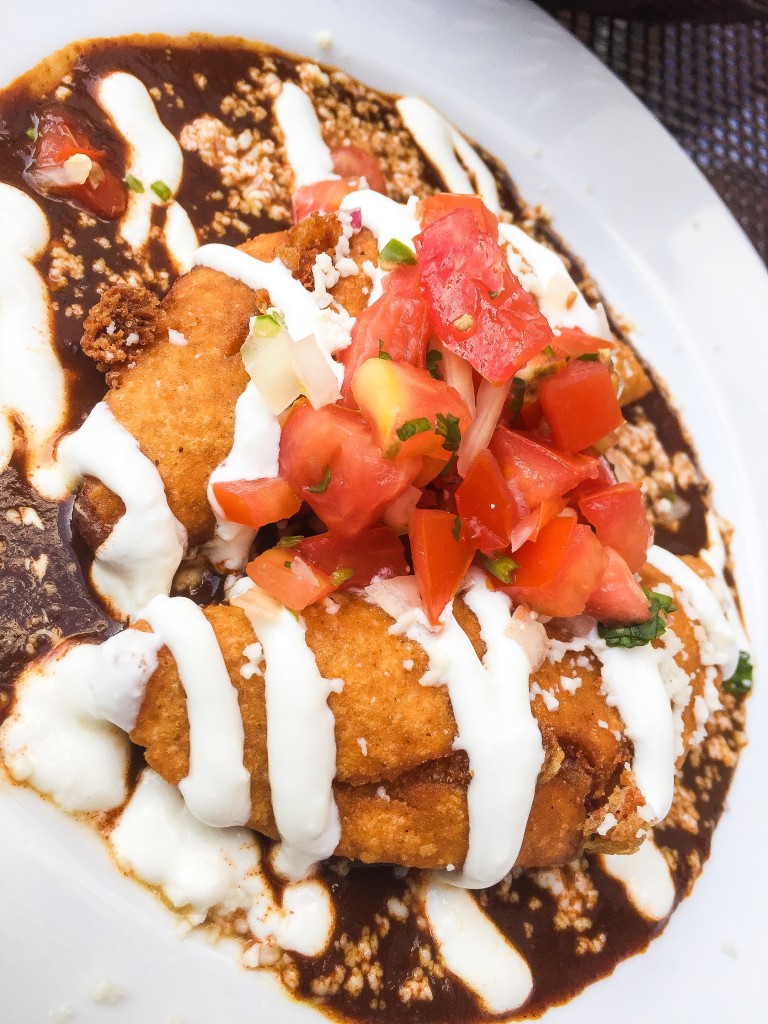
<point x="702" y="68"/>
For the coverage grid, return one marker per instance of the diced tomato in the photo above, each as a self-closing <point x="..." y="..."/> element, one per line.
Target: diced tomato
<point x="572" y="341"/>
<point x="560" y="569"/>
<point x="321" y="197"/>
<point x="477" y="306"/>
<point x="375" y="553"/>
<point x="329" y="460"/>
<point x="396" y="325"/>
<point x="618" y="598"/>
<point x="353" y="162"/>
<point x="441" y="204"/>
<point x="60" y="135"/>
<point x="580" y="405"/>
<point x="485" y="504"/>
<point x="256" y="502"/>
<point x="442" y="552"/>
<point x="288" y="578"/>
<point x="529" y="527"/>
<point x="402" y="404"/>
<point x="537" y="471"/>
<point x="620" y="521"/>
<point x="605" y="478"/>
<point x="429" y="470"/>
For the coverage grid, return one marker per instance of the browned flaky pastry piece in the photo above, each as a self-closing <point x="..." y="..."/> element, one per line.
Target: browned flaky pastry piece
<point x="178" y="401"/>
<point x="402" y="793"/>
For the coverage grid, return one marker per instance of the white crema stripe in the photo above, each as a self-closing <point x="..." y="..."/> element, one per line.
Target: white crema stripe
<point x="217" y="788"/>
<point x="383" y="217"/>
<point x="308" y="155"/>
<point x="543" y="273"/>
<point x="701" y="604"/>
<point x="301" y="741"/>
<point x="61" y="736"/>
<point x="302" y="315"/>
<point x="154" y="156"/>
<point x="32" y="387"/>
<point x="473" y="948"/>
<point x="253" y="456"/>
<point x="202" y="870"/>
<point x="632" y="683"/>
<point x="448" y="151"/>
<point x="140" y="556"/>
<point x="646" y="879"/>
<point x="493" y="717"/>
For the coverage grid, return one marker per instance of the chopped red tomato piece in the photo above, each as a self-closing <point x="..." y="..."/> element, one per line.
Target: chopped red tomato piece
<point x="572" y="341"/>
<point x="605" y="478"/>
<point x="536" y="470"/>
<point x="377" y="553"/>
<point x="396" y="325"/>
<point x="618" y="599"/>
<point x="321" y="197"/>
<point x="441" y="204"/>
<point x="66" y="163"/>
<point x="353" y="162"/>
<point x="477" y="306"/>
<point x="288" y="578"/>
<point x="330" y="460"/>
<point x="485" y="504"/>
<point x="256" y="502"/>
<point x="560" y="569"/>
<point x="442" y="552"/>
<point x="580" y="405"/>
<point x="410" y="413"/>
<point x="620" y="521"/>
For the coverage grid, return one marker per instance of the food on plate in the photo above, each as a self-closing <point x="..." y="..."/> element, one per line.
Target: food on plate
<point x="363" y="579"/>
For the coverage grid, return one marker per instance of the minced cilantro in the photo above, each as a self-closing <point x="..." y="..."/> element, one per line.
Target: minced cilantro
<point x="433" y="359"/>
<point x="382" y="353"/>
<point x="411" y="427"/>
<point x="516" y="395"/>
<point x="641" y="633"/>
<point x="456" y="528"/>
<point x="740" y="682"/>
<point x="500" y="566"/>
<point x="322" y="486"/>
<point x="448" y="428"/>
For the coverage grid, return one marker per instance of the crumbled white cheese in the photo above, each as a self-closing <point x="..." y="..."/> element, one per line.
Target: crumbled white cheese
<point x="176" y="337"/>
<point x="408" y="664"/>
<point x="382" y="794"/>
<point x="363" y="746"/>
<point x="397" y="909"/>
<point x="608" y="822"/>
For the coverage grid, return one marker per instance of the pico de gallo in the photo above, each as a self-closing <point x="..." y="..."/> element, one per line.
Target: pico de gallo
<point x="466" y="431"/>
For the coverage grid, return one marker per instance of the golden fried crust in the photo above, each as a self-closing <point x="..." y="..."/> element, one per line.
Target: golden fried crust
<point x="404" y="800"/>
<point x="126" y="320"/>
<point x="178" y="401"/>
<point x="635" y="383"/>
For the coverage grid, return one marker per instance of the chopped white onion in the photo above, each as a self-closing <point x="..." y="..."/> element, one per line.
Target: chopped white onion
<point x="397" y="514"/>
<point x="316" y="379"/>
<point x="530" y="634"/>
<point x="282" y="369"/>
<point x="458" y="373"/>
<point x="490" y="402"/>
<point x="396" y="596"/>
<point x="74" y="171"/>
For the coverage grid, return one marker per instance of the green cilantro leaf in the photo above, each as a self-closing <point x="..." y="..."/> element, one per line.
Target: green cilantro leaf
<point x="641" y="633"/>
<point x="448" y="428"/>
<point x="516" y="396"/>
<point x="411" y="427"/>
<point x="740" y="682"/>
<point x="433" y="359"/>
<point x="500" y="566"/>
<point x="456" y="528"/>
<point x="322" y="486"/>
<point x="382" y="353"/>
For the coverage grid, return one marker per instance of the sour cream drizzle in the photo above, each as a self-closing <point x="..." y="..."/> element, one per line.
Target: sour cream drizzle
<point x="543" y="273"/>
<point x="301" y="740"/>
<point x="139" y="558"/>
<point x="155" y="156"/>
<point x="449" y="152"/>
<point x="383" y="217"/>
<point x="493" y="717"/>
<point x="702" y="605"/>
<point x="473" y="948"/>
<point x="632" y="682"/>
<point x="32" y="387"/>
<point x="253" y="456"/>
<point x="307" y="154"/>
<point x="204" y="869"/>
<point x="217" y="788"/>
<point x="58" y="737"/>
<point x="302" y="315"/>
<point x="646" y="879"/>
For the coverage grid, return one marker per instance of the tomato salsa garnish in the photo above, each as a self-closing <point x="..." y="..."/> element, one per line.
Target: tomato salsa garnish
<point x="466" y="433"/>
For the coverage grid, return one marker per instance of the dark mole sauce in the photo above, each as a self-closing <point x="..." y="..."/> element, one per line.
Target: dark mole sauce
<point x="37" y="610"/>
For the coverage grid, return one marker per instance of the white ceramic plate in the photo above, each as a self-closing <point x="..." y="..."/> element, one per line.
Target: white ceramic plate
<point x="670" y="257"/>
